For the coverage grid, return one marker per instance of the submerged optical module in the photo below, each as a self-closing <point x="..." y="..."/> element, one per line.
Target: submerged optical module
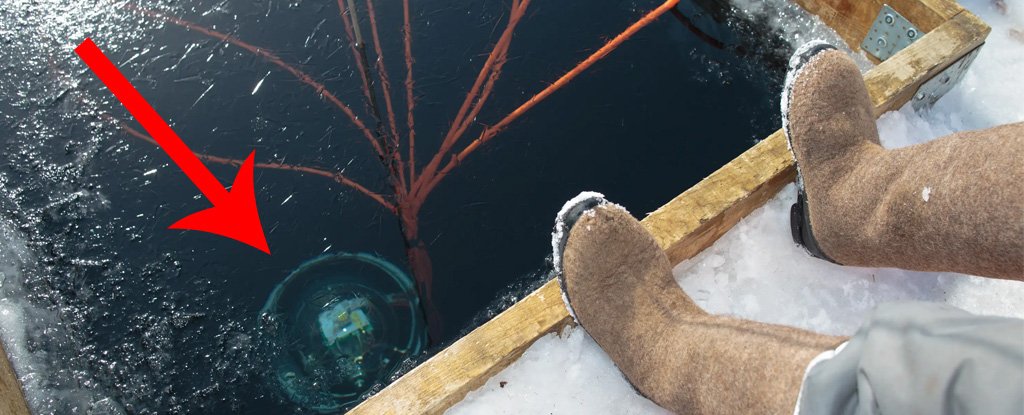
<point x="339" y="324"/>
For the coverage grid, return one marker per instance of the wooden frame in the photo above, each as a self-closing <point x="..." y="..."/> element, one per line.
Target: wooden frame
<point x="699" y="216"/>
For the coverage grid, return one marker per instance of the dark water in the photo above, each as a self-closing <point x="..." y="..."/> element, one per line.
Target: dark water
<point x="163" y="321"/>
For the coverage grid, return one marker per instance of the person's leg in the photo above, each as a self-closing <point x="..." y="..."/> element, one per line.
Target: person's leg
<point x="952" y="204"/>
<point x="619" y="285"/>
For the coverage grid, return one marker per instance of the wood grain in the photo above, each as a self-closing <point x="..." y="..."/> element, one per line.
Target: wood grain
<point x="852" y="19"/>
<point x="12" y="401"/>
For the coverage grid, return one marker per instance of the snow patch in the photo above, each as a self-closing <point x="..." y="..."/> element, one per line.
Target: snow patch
<point x="563" y="373"/>
<point x="767" y="277"/>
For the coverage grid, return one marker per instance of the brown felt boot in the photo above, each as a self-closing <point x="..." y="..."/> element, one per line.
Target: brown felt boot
<point x="951" y="204"/>
<point x="619" y="285"/>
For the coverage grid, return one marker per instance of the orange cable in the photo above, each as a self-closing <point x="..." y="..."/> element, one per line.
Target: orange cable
<point x="485" y="82"/>
<point x="385" y="84"/>
<point x="342" y="9"/>
<point x="489" y="133"/>
<point x="409" y="101"/>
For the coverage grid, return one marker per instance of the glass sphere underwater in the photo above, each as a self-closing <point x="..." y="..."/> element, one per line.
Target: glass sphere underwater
<point x="339" y="324"/>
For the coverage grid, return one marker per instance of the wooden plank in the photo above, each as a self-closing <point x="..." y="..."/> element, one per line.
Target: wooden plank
<point x="896" y="80"/>
<point x="695" y="219"/>
<point x="944" y="8"/>
<point x="12" y="401"/>
<point x="683" y="227"/>
<point x="851" y="19"/>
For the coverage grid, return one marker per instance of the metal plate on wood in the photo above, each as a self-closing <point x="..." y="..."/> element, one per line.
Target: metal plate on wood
<point x="890" y="33"/>
<point x="933" y="89"/>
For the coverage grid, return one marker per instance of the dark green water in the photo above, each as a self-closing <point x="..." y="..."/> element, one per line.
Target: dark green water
<point x="163" y="321"/>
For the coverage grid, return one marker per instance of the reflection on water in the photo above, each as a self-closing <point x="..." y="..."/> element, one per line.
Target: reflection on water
<point x="108" y="311"/>
<point x="339" y="324"/>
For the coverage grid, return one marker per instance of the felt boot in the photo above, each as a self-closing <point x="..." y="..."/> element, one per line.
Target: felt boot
<point x="951" y="204"/>
<point x="619" y="286"/>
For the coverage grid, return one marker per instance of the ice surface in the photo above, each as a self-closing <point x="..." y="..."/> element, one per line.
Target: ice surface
<point x="20" y="324"/>
<point x="795" y="25"/>
<point x="755" y="271"/>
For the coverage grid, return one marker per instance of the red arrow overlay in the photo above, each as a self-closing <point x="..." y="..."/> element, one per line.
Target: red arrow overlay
<point x="234" y="214"/>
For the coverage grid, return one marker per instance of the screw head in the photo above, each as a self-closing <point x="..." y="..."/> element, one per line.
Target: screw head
<point x="912" y="33"/>
<point x="881" y="41"/>
<point x="920" y="96"/>
<point x="889" y="19"/>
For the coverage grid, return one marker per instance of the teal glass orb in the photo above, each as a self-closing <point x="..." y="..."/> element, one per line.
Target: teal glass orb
<point x="338" y="325"/>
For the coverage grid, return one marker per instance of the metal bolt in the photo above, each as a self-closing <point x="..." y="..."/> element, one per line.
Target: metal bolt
<point x="881" y="42"/>
<point x="889" y="19"/>
<point x="945" y="79"/>
<point x="920" y="96"/>
<point x="912" y="33"/>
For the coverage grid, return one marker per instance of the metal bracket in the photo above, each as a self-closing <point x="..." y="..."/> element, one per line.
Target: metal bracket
<point x="933" y="89"/>
<point x="890" y="33"/>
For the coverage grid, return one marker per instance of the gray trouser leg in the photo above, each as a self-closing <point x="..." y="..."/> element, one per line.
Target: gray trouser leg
<point x="922" y="358"/>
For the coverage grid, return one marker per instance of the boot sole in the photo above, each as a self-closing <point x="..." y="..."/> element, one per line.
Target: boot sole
<point x="799" y="216"/>
<point x="566" y="219"/>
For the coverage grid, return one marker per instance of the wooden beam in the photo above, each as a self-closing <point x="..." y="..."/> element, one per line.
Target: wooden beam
<point x="695" y="219"/>
<point x="12" y="400"/>
<point x="852" y="19"/>
<point x="895" y="81"/>
<point x="683" y="227"/>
